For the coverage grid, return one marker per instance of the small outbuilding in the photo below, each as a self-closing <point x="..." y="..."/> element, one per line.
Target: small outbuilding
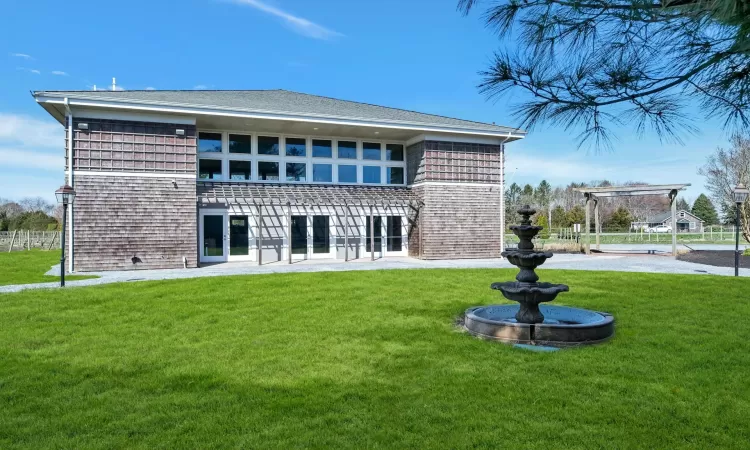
<point x="687" y="222"/>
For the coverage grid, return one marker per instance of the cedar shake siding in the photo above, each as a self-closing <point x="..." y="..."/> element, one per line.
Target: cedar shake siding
<point x="117" y="219"/>
<point x="149" y="218"/>
<point x="459" y="221"/>
<point x="110" y="145"/>
<point x="461" y="218"/>
<point x="453" y="162"/>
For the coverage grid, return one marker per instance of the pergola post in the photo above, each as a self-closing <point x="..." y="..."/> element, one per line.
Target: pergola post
<point x="260" y="234"/>
<point x="372" y="234"/>
<point x="597" y="225"/>
<point x="289" y="230"/>
<point x="588" y="224"/>
<point x="673" y="204"/>
<point x="346" y="232"/>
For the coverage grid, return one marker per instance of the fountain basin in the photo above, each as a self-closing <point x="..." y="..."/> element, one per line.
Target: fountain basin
<point x="562" y="326"/>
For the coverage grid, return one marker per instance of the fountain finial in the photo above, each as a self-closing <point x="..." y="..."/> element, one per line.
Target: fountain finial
<point x="526" y="212"/>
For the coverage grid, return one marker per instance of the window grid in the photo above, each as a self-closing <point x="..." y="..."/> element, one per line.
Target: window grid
<point x="384" y="164"/>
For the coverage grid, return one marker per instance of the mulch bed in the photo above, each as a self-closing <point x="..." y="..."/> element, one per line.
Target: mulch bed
<point x="720" y="258"/>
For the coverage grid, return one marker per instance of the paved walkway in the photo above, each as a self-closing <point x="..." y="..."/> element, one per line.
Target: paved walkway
<point x="613" y="262"/>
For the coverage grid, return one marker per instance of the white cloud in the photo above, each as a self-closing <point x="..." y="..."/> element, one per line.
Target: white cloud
<point x="150" y="88"/>
<point x="32" y="154"/>
<point x="20" y="130"/>
<point x="60" y="73"/>
<point x="31" y="159"/>
<point x="200" y="86"/>
<point x="298" y="24"/>
<point x="21" y="55"/>
<point x="34" y="71"/>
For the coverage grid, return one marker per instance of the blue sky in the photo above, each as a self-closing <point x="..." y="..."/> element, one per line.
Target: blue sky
<point x="418" y="54"/>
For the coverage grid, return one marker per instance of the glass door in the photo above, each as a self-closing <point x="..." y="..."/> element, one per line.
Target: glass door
<point x="299" y="237"/>
<point x="239" y="237"/>
<point x="321" y="237"/>
<point x="213" y="237"/>
<point x="394" y="234"/>
<point x="378" y="238"/>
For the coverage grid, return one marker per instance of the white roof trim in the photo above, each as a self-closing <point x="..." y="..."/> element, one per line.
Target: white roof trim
<point x="177" y="108"/>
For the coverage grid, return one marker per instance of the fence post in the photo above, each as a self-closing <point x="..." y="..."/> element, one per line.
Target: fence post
<point x="12" y="239"/>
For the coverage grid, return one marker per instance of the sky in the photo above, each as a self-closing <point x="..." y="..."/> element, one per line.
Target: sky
<point x="419" y="55"/>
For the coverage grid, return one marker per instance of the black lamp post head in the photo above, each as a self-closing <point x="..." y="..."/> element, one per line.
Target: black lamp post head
<point x="740" y="193"/>
<point x="65" y="195"/>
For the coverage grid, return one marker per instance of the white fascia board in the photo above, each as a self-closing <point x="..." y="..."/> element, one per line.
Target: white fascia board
<point x="311" y="118"/>
<point x="91" y="113"/>
<point x="461" y="138"/>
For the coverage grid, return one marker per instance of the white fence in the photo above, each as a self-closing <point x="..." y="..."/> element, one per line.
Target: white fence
<point x="25" y="240"/>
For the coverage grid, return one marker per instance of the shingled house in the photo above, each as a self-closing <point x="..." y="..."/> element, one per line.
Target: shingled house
<point x="170" y="179"/>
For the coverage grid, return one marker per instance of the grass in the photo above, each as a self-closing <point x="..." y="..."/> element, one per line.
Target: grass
<point x="30" y="266"/>
<point x="369" y="360"/>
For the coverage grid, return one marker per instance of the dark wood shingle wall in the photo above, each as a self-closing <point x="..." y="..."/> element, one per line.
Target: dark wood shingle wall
<point x="118" y="219"/>
<point x="109" y="145"/>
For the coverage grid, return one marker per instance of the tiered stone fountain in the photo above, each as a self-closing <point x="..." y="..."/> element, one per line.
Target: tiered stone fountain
<point x="528" y="323"/>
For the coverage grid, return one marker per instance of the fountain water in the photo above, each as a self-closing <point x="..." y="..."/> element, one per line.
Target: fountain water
<point x="528" y="322"/>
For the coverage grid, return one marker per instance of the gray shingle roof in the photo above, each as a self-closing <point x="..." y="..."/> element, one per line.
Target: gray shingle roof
<point x="280" y="102"/>
<point x="659" y="218"/>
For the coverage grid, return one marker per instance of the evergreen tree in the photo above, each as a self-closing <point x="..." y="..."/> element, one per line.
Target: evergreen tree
<point x="541" y="220"/>
<point x="705" y="210"/>
<point x="527" y="195"/>
<point x="543" y="195"/>
<point x="558" y="217"/>
<point x="576" y="215"/>
<point x="620" y="220"/>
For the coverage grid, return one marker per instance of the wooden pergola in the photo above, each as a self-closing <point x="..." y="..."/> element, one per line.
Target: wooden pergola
<point x="595" y="193"/>
<point x="287" y="196"/>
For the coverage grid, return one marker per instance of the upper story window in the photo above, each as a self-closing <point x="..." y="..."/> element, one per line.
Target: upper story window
<point x="296" y="172"/>
<point x="394" y="175"/>
<point x="296" y="147"/>
<point x="371" y="150"/>
<point x="209" y="169"/>
<point x="268" y="145"/>
<point x="323" y="173"/>
<point x="371" y="174"/>
<point x="268" y="170"/>
<point x="394" y="152"/>
<point x="322" y="148"/>
<point x="209" y="142"/>
<point x="237" y="156"/>
<point x="240" y="170"/>
<point x="347" y="150"/>
<point x="347" y="173"/>
<point x="240" y="143"/>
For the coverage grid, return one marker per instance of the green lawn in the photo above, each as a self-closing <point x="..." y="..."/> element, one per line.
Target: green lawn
<point x="29" y="266"/>
<point x="370" y="359"/>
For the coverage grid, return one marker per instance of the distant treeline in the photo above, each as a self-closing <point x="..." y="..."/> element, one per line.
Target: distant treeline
<point x="35" y="214"/>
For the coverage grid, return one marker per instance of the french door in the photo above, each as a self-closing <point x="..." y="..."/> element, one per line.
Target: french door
<point x="311" y="237"/>
<point x="213" y="237"/>
<point x="389" y="236"/>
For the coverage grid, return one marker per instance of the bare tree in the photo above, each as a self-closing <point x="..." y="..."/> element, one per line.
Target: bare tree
<point x="37" y="204"/>
<point x="724" y="170"/>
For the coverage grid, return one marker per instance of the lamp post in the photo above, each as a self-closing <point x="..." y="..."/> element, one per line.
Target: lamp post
<point x="739" y="194"/>
<point x="65" y="196"/>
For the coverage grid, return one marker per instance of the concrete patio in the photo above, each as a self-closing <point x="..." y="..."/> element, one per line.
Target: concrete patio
<point x="604" y="262"/>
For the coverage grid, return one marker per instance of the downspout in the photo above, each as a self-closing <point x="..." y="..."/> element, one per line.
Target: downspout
<point x="502" y="193"/>
<point x="69" y="115"/>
